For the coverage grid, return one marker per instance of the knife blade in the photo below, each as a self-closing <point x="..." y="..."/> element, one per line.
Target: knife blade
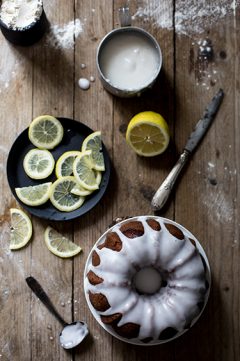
<point x="205" y="122"/>
<point x="163" y="192"/>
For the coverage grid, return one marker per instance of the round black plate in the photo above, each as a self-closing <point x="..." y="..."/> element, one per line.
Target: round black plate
<point x="74" y="134"/>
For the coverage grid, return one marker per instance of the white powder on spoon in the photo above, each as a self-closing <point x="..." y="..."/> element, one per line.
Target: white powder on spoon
<point x="19" y="14"/>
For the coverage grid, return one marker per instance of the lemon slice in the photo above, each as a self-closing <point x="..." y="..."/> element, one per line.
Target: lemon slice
<point x="81" y="191"/>
<point x="64" y="165"/>
<point x="60" y="245"/>
<point x="61" y="196"/>
<point x="148" y="134"/>
<point x="21" y="229"/>
<point x="94" y="143"/>
<point x="84" y="171"/>
<point x="45" y="132"/>
<point x="38" y="164"/>
<point x="34" y="195"/>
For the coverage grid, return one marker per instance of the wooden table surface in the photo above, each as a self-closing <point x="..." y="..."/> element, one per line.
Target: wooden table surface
<point x="42" y="79"/>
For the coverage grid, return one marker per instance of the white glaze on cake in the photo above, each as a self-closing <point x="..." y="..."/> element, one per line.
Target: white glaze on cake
<point x="178" y="260"/>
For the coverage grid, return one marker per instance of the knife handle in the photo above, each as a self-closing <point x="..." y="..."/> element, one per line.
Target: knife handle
<point x="163" y="192"/>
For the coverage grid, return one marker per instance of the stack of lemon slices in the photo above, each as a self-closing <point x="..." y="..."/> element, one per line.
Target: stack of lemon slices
<point x="78" y="173"/>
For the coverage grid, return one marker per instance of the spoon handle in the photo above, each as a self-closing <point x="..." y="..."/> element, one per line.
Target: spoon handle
<point x="41" y="294"/>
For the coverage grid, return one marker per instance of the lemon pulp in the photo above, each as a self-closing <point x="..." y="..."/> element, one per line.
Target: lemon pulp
<point x="148" y="134"/>
<point x="45" y="132"/>
<point x="38" y="164"/>
<point x="94" y="143"/>
<point x="21" y="229"/>
<point x="34" y="195"/>
<point x="84" y="172"/>
<point x="61" y="196"/>
<point x="59" y="245"/>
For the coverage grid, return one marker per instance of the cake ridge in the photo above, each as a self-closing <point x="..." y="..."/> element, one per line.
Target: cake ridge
<point x="157" y="247"/>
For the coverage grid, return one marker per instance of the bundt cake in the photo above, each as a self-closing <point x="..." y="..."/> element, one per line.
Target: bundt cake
<point x="147" y="280"/>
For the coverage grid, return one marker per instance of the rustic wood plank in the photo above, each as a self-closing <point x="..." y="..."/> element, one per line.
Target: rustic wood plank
<point x="93" y="107"/>
<point x="15" y="90"/>
<point x="206" y="194"/>
<point x="138" y="178"/>
<point x="53" y="72"/>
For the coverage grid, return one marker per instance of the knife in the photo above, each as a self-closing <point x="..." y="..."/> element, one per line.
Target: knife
<point x="163" y="192"/>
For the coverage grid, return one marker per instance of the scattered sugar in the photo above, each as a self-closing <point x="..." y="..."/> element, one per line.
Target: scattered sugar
<point x="211" y="165"/>
<point x="83" y="66"/>
<point x="64" y="36"/>
<point x="202" y="63"/>
<point x="92" y="79"/>
<point x="218" y="207"/>
<point x="9" y="65"/>
<point x="191" y="17"/>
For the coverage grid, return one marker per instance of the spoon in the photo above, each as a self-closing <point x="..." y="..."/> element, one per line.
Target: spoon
<point x="72" y="334"/>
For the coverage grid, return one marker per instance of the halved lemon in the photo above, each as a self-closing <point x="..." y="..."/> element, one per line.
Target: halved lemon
<point x="81" y="191"/>
<point x="148" y="134"/>
<point x="34" y="195"/>
<point x="84" y="171"/>
<point x="64" y="165"/>
<point x="61" y="196"/>
<point x="45" y="132"/>
<point x="94" y="143"/>
<point x="59" y="245"/>
<point x="21" y="229"/>
<point x="38" y="163"/>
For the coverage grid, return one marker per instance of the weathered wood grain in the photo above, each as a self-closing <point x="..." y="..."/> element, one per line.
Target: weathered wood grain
<point x="16" y="90"/>
<point x="94" y="108"/>
<point x="207" y="192"/>
<point x="53" y="79"/>
<point x="41" y="79"/>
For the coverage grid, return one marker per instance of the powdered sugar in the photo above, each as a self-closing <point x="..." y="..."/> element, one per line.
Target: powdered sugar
<point x="158" y="12"/>
<point x="190" y="16"/>
<point x="9" y="66"/>
<point x="218" y="207"/>
<point x="64" y="36"/>
<point x="19" y="14"/>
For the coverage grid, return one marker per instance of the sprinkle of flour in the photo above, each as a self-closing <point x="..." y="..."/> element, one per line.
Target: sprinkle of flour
<point x="18" y="14"/>
<point x="218" y="207"/>
<point x="10" y="65"/>
<point x="191" y="17"/>
<point x="64" y="36"/>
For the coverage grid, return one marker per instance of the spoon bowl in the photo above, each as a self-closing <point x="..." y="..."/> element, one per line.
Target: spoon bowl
<point x="72" y="333"/>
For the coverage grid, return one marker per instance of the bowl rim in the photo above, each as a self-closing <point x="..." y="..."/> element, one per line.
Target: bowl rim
<point x="131" y="29"/>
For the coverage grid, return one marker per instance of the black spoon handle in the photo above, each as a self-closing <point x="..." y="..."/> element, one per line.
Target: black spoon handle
<point x="40" y="293"/>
